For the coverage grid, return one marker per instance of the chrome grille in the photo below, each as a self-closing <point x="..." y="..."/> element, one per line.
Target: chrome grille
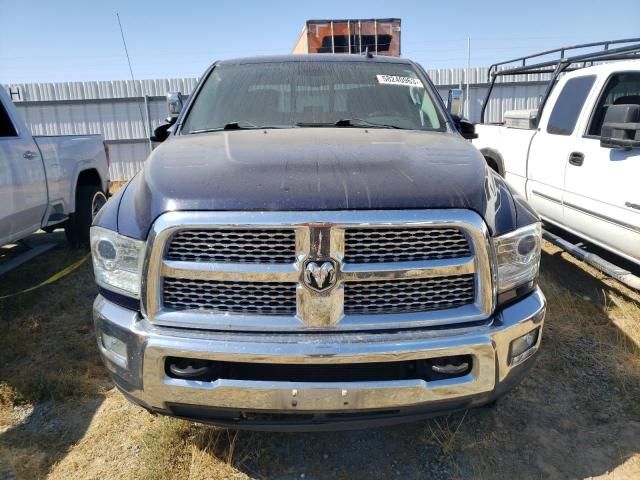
<point x="250" y="270"/>
<point x="230" y="297"/>
<point x="408" y="296"/>
<point x="234" y="246"/>
<point x="377" y="245"/>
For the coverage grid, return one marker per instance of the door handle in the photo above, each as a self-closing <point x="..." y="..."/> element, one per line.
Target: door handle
<point x="29" y="154"/>
<point x="576" y="158"/>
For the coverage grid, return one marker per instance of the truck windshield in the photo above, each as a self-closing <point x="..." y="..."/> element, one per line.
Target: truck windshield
<point x="313" y="94"/>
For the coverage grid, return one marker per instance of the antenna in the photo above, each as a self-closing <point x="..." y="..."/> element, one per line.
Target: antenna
<point x="135" y="85"/>
<point x="126" y="51"/>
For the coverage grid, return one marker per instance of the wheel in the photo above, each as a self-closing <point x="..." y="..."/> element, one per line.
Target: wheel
<point x="89" y="201"/>
<point x="99" y="199"/>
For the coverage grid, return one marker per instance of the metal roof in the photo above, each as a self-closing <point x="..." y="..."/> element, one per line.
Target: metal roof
<point x="343" y="20"/>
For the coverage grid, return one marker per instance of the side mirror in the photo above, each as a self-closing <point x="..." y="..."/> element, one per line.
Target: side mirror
<point x="465" y="127"/>
<point x="455" y="102"/>
<point x="174" y="104"/>
<point x="161" y="132"/>
<point x="621" y="127"/>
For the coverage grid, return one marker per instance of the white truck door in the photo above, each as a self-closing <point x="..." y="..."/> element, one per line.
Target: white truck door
<point x="552" y="145"/>
<point x="23" y="188"/>
<point x="602" y="191"/>
<point x="6" y="193"/>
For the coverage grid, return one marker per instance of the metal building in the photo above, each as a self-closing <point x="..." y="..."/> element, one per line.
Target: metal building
<point x="377" y="36"/>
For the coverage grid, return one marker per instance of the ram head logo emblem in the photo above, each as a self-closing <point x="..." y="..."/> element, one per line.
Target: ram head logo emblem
<point x="320" y="276"/>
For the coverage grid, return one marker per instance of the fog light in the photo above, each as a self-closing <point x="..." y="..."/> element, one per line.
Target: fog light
<point x="523" y="347"/>
<point x="115" y="349"/>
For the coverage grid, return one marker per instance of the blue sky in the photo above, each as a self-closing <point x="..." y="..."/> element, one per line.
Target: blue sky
<point x="59" y="40"/>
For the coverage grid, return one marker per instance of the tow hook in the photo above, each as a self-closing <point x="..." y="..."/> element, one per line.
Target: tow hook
<point x="189" y="369"/>
<point x="450" y="368"/>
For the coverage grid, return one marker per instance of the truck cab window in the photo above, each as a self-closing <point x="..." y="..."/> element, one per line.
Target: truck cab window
<point x="622" y="89"/>
<point x="6" y="126"/>
<point x="568" y="105"/>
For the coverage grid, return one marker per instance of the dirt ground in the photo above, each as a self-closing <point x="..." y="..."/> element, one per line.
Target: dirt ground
<point x="577" y="415"/>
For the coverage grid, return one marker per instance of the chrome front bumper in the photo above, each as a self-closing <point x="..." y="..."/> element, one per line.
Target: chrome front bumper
<point x="146" y="382"/>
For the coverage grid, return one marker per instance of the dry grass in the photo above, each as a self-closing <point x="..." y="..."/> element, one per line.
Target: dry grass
<point x="162" y="445"/>
<point x="599" y="316"/>
<point x="116" y="185"/>
<point x="577" y="414"/>
<point x="48" y="360"/>
<point x="444" y="433"/>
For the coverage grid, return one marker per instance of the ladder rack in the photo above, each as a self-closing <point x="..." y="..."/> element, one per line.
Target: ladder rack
<point x="625" y="49"/>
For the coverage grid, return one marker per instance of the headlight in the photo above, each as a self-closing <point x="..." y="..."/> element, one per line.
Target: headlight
<point x="117" y="261"/>
<point x="518" y="256"/>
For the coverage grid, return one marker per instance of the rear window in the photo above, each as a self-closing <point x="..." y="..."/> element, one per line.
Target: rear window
<point x="568" y="105"/>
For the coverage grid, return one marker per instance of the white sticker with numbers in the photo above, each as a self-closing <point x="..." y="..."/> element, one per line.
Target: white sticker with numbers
<point x="399" y="80"/>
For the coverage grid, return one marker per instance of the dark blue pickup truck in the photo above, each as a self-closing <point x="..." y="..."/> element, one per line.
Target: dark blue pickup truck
<point x="316" y="245"/>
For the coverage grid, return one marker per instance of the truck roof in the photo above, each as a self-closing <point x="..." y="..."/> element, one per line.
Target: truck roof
<point x="607" y="68"/>
<point x="319" y="57"/>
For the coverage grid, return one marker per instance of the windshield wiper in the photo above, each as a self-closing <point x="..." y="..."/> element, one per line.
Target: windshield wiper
<point x="361" y="122"/>
<point x="240" y="125"/>
<point x="344" y="122"/>
<point x="348" y="122"/>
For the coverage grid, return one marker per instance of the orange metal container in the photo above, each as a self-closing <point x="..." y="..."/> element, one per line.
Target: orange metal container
<point x="378" y="36"/>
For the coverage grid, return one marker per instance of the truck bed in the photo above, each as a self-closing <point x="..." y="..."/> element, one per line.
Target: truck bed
<point x="63" y="157"/>
<point x="514" y="146"/>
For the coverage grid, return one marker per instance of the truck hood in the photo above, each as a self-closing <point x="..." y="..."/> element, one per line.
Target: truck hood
<point x="314" y="169"/>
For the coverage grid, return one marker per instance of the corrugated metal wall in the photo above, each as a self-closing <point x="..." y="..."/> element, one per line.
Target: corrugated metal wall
<point x="125" y="111"/>
<point x="510" y="93"/>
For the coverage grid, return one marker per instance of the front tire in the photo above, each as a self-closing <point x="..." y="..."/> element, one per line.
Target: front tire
<point x="89" y="201"/>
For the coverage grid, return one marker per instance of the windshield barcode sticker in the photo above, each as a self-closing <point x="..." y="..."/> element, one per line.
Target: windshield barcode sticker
<point x="398" y="80"/>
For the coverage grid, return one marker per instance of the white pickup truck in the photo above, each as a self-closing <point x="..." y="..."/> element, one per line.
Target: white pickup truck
<point x="46" y="182"/>
<point x="576" y="159"/>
